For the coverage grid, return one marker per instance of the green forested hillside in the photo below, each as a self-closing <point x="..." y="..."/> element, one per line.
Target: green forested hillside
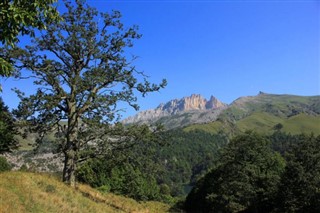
<point x="166" y="170"/>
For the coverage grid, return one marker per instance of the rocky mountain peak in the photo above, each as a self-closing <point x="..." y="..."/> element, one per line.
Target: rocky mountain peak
<point x="193" y="104"/>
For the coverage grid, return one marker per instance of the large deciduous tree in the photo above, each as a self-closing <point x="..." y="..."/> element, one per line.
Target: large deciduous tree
<point x="82" y="70"/>
<point x="21" y="17"/>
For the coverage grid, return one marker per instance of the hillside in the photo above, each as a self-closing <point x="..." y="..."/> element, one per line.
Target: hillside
<point x="296" y="114"/>
<point x="30" y="192"/>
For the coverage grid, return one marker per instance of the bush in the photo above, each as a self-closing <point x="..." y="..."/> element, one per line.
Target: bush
<point x="4" y="165"/>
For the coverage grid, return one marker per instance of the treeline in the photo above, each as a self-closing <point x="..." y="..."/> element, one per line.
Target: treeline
<point x="279" y="173"/>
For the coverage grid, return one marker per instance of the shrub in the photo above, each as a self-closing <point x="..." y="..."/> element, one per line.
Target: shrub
<point x="4" y="165"/>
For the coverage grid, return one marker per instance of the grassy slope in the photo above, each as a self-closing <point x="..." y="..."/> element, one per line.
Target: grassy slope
<point x="264" y="122"/>
<point x="303" y="123"/>
<point x="262" y="112"/>
<point x="30" y="192"/>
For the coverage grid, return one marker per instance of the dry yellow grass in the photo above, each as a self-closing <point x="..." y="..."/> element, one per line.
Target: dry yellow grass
<point x="30" y="192"/>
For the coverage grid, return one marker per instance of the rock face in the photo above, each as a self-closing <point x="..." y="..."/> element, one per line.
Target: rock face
<point x="192" y="109"/>
<point x="194" y="102"/>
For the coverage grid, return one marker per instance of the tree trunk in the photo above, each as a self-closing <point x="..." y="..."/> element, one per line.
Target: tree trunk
<point x="71" y="148"/>
<point x="69" y="169"/>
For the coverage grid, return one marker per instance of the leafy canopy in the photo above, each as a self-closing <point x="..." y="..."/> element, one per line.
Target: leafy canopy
<point x="21" y="17"/>
<point x="300" y="182"/>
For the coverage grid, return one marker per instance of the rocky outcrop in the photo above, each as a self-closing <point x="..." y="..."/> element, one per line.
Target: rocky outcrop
<point x="195" y="106"/>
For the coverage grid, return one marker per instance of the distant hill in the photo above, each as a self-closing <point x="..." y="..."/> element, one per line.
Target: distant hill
<point x="291" y="113"/>
<point x="30" y="192"/>
<point x="266" y="113"/>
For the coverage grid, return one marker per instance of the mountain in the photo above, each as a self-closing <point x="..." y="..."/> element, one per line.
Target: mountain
<point x="181" y="112"/>
<point x="294" y="114"/>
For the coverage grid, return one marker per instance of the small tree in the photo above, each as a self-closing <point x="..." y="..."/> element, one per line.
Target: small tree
<point x="83" y="71"/>
<point x="20" y="18"/>
<point x="278" y="127"/>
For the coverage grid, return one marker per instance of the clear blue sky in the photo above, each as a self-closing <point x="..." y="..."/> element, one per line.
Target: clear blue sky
<point x="223" y="48"/>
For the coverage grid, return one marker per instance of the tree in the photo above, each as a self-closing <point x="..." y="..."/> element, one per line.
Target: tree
<point x="245" y="178"/>
<point x="300" y="183"/>
<point x="21" y="17"/>
<point x="83" y="71"/>
<point x="278" y="127"/>
<point x="7" y="129"/>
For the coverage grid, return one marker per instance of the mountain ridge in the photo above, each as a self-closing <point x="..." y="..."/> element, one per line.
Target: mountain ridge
<point x="191" y="106"/>
<point x="195" y="109"/>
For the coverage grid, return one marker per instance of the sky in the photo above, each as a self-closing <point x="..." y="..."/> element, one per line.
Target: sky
<point x="227" y="49"/>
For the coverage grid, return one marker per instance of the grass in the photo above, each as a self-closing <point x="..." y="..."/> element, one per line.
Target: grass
<point x="263" y="122"/>
<point x="31" y="192"/>
<point x="303" y="123"/>
<point x="260" y="122"/>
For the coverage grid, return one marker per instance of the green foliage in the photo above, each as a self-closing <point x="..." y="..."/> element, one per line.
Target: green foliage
<point x="120" y="178"/>
<point x="250" y="177"/>
<point x="4" y="165"/>
<point x="169" y="169"/>
<point x="187" y="156"/>
<point x="20" y="18"/>
<point x="282" y="141"/>
<point x="300" y="183"/>
<point x="245" y="178"/>
<point x="7" y="129"/>
<point x="131" y="182"/>
<point x="278" y="126"/>
<point x="86" y="74"/>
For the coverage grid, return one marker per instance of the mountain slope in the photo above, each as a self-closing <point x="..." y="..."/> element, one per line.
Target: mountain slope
<point x="30" y="192"/>
<point x="279" y="105"/>
<point x="296" y="114"/>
